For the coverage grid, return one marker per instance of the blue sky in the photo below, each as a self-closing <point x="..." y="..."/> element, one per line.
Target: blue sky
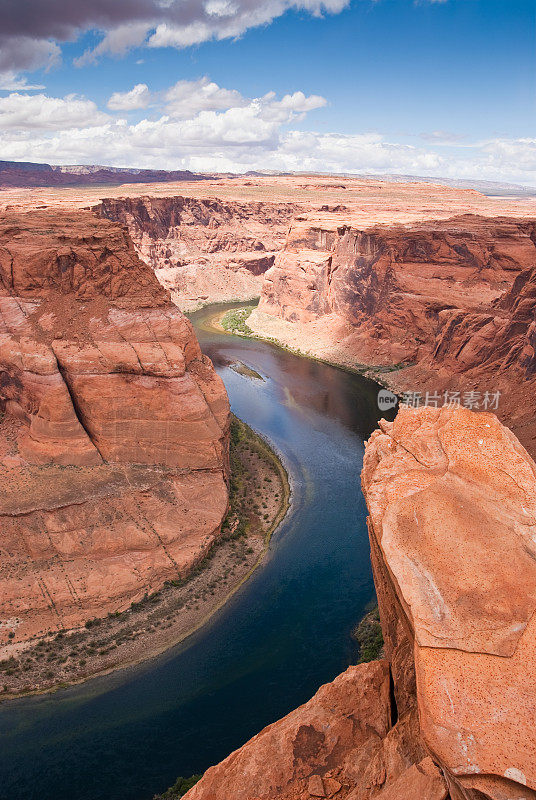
<point x="430" y="88"/>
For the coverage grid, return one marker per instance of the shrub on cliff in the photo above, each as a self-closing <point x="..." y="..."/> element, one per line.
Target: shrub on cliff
<point x="179" y="788"/>
<point x="369" y="636"/>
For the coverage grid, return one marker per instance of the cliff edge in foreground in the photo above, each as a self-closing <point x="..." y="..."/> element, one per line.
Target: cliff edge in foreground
<point x="113" y="427"/>
<point x="450" y="712"/>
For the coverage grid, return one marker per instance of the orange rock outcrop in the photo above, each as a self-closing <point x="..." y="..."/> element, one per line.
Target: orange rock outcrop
<point x="449" y="712"/>
<point x="391" y="283"/>
<point x="113" y="426"/>
<point x="451" y="496"/>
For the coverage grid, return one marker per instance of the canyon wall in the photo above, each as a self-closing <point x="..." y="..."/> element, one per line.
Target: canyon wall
<point x="449" y="712"/>
<point x="434" y="305"/>
<point x="204" y="250"/>
<point x="113" y="427"/>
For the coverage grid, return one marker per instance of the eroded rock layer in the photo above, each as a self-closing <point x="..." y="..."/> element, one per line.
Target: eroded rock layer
<point x="204" y="250"/>
<point x="450" y="303"/>
<point x="113" y="428"/>
<point x="449" y="712"/>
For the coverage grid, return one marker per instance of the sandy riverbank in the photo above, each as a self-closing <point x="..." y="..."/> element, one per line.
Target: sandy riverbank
<point x="259" y="499"/>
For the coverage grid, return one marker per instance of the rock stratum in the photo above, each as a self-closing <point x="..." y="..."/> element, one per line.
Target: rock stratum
<point x="449" y="713"/>
<point x="435" y="305"/>
<point x="204" y="250"/>
<point x="113" y="427"/>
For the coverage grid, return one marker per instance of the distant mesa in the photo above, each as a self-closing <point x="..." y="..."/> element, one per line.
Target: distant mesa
<point x="27" y="174"/>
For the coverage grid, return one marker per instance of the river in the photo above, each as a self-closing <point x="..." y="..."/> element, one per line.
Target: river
<point x="128" y="735"/>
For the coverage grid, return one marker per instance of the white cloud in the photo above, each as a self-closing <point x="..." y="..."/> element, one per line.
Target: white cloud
<point x="188" y="98"/>
<point x="332" y="152"/>
<point x="11" y="82"/>
<point x="178" y="24"/>
<point x="138" y="97"/>
<point x="180" y="36"/>
<point x="205" y="127"/>
<point x="518" y="152"/>
<point x="524" y="149"/>
<point x="236" y="140"/>
<point x="116" y="43"/>
<point x="220" y="8"/>
<point x="22" y="113"/>
<point x="291" y="106"/>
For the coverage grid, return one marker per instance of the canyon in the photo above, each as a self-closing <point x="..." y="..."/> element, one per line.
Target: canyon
<point x="429" y="307"/>
<point x="204" y="251"/>
<point x="429" y="289"/>
<point x="114" y="427"/>
<point x="433" y="307"/>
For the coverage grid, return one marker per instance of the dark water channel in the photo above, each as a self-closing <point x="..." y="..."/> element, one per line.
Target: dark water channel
<point x="128" y="735"/>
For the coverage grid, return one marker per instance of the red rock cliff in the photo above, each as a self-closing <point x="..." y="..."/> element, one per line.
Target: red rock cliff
<point x="452" y="302"/>
<point x="113" y="426"/>
<point x="450" y="711"/>
<point x="204" y="250"/>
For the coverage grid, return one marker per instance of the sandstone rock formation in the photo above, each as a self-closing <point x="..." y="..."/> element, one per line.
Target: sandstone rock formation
<point x="449" y="712"/>
<point x="113" y="426"/>
<point x="204" y="250"/>
<point x="396" y="286"/>
<point x="449" y="301"/>
<point x="299" y="755"/>
<point x="451" y="495"/>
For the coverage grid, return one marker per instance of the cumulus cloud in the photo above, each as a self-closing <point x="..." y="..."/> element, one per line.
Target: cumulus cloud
<point x="220" y="142"/>
<point x="138" y="97"/>
<point x="219" y="19"/>
<point x="370" y="152"/>
<point x="202" y="126"/>
<point x="188" y="98"/>
<point x="22" y="113"/>
<point x="117" y="42"/>
<point x="291" y="107"/>
<point x="24" y="53"/>
<point x="193" y="114"/>
<point x="521" y="152"/>
<point x="11" y="82"/>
